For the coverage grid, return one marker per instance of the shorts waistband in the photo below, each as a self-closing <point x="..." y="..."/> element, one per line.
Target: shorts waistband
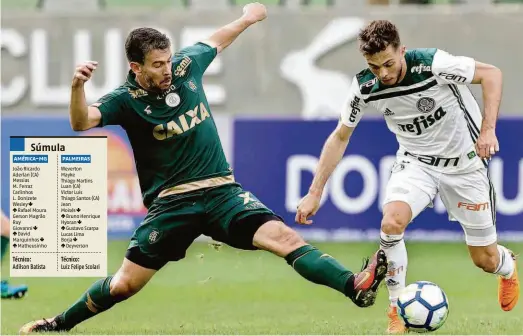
<point x="197" y="185"/>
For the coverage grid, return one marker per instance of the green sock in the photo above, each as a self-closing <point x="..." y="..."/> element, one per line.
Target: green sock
<point x="4" y="241"/>
<point x="96" y="300"/>
<point x="322" y="269"/>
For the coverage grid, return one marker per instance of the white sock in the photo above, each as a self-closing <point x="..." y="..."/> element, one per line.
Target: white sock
<point x="396" y="252"/>
<point x="506" y="263"/>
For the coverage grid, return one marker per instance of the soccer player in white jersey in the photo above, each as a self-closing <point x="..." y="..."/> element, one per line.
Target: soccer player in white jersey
<point x="445" y="145"/>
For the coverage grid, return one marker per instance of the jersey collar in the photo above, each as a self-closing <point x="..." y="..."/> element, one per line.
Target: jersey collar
<point x="131" y="80"/>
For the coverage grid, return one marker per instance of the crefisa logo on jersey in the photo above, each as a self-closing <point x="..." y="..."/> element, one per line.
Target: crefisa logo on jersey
<point x="355" y="109"/>
<point x="421" y="123"/>
<point x="420" y="68"/>
<point x="172" y="99"/>
<point x="426" y="104"/>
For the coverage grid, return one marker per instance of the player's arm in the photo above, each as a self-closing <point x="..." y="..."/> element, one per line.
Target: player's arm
<point x="224" y="36"/>
<point x="465" y="70"/>
<point x="203" y="53"/>
<point x="491" y="80"/>
<point x="108" y="110"/>
<point x="81" y="116"/>
<point x="331" y="154"/>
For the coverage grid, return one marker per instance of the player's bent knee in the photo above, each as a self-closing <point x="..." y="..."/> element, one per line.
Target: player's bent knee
<point x="393" y="225"/>
<point x="130" y="279"/>
<point x="396" y="217"/>
<point x="291" y="239"/>
<point x="123" y="286"/>
<point x="276" y="237"/>
<point x="122" y="289"/>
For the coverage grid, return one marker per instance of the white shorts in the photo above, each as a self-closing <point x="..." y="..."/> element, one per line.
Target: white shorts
<point x="469" y="198"/>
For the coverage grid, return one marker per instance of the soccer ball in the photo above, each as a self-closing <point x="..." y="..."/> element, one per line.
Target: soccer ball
<point x="423" y="306"/>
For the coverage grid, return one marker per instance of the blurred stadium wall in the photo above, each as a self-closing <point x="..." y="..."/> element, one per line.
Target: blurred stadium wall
<point x="275" y="94"/>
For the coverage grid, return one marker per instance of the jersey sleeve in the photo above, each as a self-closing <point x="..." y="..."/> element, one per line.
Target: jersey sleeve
<point x="450" y="69"/>
<point x="354" y="106"/>
<point x="200" y="54"/>
<point x="112" y="108"/>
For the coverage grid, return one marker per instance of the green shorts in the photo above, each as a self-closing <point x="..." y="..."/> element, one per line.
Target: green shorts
<point x="173" y="222"/>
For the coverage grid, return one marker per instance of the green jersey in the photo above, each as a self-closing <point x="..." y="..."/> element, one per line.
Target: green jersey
<point x="172" y="134"/>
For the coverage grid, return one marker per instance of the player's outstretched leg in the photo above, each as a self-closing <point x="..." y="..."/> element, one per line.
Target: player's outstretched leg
<point x="8" y="291"/>
<point x="321" y="268"/>
<point x="396" y="216"/>
<point x="499" y="260"/>
<point x="101" y="296"/>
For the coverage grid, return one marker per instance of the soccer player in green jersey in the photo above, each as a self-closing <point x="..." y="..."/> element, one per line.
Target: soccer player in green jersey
<point x="187" y="185"/>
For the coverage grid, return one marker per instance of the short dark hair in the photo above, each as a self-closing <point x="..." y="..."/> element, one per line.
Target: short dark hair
<point x="142" y="40"/>
<point x="377" y="36"/>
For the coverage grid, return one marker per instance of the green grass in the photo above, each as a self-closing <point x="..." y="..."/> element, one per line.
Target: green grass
<point x="240" y="292"/>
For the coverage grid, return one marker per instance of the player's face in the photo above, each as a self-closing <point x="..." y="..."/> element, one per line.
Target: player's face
<point x="388" y="65"/>
<point x="155" y="73"/>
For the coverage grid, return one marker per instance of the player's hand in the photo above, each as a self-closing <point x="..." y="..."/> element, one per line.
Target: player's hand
<point x="487" y="144"/>
<point x="83" y="72"/>
<point x="308" y="207"/>
<point x="254" y="12"/>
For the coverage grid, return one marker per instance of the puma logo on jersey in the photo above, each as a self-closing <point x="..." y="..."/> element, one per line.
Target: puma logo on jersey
<point x="246" y="197"/>
<point x="421" y="123"/>
<point x="185" y="122"/>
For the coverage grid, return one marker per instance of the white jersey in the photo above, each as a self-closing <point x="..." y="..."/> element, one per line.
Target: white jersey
<point x="432" y="112"/>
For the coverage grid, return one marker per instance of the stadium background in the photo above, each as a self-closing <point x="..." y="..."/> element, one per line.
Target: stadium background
<point x="275" y="94"/>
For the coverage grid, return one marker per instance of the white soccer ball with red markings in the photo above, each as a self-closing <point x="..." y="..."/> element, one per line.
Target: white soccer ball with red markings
<point x="423" y="306"/>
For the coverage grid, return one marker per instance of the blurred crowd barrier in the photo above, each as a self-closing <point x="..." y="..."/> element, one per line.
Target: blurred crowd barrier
<point x="296" y="63"/>
<point x="198" y="4"/>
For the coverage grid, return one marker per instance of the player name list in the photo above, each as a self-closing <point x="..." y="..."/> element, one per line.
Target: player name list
<point x="58" y="206"/>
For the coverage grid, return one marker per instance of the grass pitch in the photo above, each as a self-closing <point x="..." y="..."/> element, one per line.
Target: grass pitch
<point x="241" y="292"/>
